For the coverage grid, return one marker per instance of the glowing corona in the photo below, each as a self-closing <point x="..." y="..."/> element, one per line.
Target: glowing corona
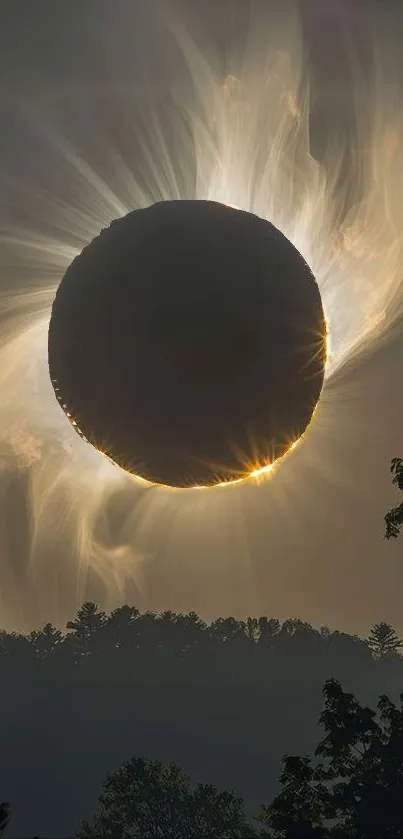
<point x="241" y="140"/>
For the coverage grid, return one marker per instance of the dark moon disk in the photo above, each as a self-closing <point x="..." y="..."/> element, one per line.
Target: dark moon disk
<point x="188" y="343"/>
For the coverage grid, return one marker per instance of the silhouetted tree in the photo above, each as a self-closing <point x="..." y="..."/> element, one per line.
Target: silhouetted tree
<point x="301" y="633"/>
<point x="354" y="787"/>
<point x="191" y="631"/>
<point x="299" y="810"/>
<point x="5" y="816"/>
<point x="383" y="640"/>
<point x="252" y="629"/>
<point x="228" y="631"/>
<point x="45" y="641"/>
<point x="180" y="633"/>
<point x="394" y="516"/>
<point x="117" y="634"/>
<point x="89" y="619"/>
<point x="85" y="636"/>
<point x="269" y="629"/>
<point x="146" y="799"/>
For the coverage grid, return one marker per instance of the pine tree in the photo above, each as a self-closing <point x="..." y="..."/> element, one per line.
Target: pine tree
<point x="383" y="640"/>
<point x="89" y="619"/>
<point x="45" y="641"/>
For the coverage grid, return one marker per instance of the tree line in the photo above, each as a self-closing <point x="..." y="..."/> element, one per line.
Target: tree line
<point x="94" y="632"/>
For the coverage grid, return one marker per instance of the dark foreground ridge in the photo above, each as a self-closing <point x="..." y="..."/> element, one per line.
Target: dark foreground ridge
<point x="224" y="701"/>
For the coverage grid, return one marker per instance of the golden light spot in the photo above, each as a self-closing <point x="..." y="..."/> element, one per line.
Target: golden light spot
<point x="261" y="470"/>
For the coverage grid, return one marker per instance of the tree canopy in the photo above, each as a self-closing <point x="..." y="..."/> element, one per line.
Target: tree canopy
<point x="146" y="799"/>
<point x="394" y="516"/>
<point x="5" y="816"/>
<point x="352" y="788"/>
<point x="383" y="640"/>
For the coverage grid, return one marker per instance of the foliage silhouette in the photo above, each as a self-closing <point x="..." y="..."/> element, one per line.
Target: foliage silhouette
<point x="5" y="816"/>
<point x="145" y="799"/>
<point x="353" y="787"/>
<point x="383" y="640"/>
<point x="394" y="516"/>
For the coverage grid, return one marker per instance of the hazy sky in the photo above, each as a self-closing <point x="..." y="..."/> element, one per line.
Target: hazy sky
<point x="307" y="544"/>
